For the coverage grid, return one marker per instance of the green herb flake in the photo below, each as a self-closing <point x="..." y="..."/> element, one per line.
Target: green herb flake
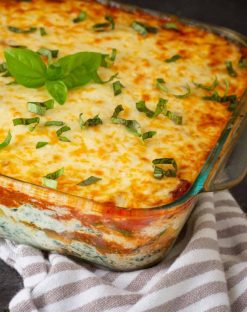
<point x="63" y="139"/>
<point x="170" y="25"/>
<point x="91" y="122"/>
<point x="6" y="141"/>
<point x="109" y="59"/>
<point x="143" y="29"/>
<point x="89" y="181"/>
<point x="231" y="71"/>
<point x="208" y="88"/>
<point x="54" y="123"/>
<point x="160" y="84"/>
<point x="3" y="67"/>
<point x="185" y="95"/>
<point x="109" y="25"/>
<point x="40" y="108"/>
<point x="25" y="121"/>
<point x="82" y="16"/>
<point x="159" y="172"/>
<point x="242" y="63"/>
<point x="117" y="88"/>
<point x="50" y="179"/>
<point x="41" y="144"/>
<point x="62" y="130"/>
<point x="148" y="135"/>
<point x="50" y="54"/>
<point x="42" y="31"/>
<point x="178" y="120"/>
<point x="174" y="58"/>
<point x="160" y="108"/>
<point x="22" y="31"/>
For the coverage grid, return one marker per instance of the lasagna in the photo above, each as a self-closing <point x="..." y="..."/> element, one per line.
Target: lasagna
<point x="113" y="106"/>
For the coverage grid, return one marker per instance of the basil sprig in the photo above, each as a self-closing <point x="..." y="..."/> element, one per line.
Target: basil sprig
<point x="231" y="71"/>
<point x="108" y="25"/>
<point x="91" y="122"/>
<point x="132" y="126"/>
<point x="6" y="141"/>
<point x="68" y="72"/>
<point x="89" y="181"/>
<point x="159" y="172"/>
<point x="143" y="28"/>
<point x="50" y="180"/>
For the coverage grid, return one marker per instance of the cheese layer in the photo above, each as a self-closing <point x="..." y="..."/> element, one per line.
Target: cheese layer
<point x="109" y="151"/>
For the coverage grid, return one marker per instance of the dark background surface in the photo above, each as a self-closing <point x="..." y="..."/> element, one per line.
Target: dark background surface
<point x="227" y="13"/>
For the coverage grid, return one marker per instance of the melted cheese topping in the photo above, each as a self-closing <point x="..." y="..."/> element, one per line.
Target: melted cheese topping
<point x="108" y="151"/>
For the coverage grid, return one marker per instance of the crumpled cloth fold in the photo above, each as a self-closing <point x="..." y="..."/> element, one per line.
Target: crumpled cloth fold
<point x="205" y="271"/>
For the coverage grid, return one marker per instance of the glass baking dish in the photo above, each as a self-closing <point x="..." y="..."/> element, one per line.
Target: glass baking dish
<point x="119" y="238"/>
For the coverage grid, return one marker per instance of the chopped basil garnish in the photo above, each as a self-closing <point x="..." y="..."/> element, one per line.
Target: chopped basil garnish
<point x="170" y="25"/>
<point x="3" y="67"/>
<point x="117" y="88"/>
<point x="178" y="120"/>
<point x="97" y="79"/>
<point x="109" y="25"/>
<point x="40" y="107"/>
<point x="54" y="123"/>
<point x="148" y="135"/>
<point x="143" y="29"/>
<point x="160" y="84"/>
<point x="22" y="31"/>
<point x="41" y="144"/>
<point x="62" y="130"/>
<point x="50" y="179"/>
<point x="6" y="141"/>
<point x="231" y="99"/>
<point x="42" y="31"/>
<point x="91" y="122"/>
<point x="231" y="71"/>
<point x="81" y="17"/>
<point x="63" y="139"/>
<point x="26" y="121"/>
<point x="108" y="60"/>
<point x="89" y="181"/>
<point x="174" y="58"/>
<point x="207" y="88"/>
<point x="185" y="95"/>
<point x="242" y="63"/>
<point x="159" y="172"/>
<point x="50" y="54"/>
<point x="160" y="108"/>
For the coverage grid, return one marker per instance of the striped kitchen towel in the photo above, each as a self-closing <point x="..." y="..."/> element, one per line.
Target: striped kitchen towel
<point x="206" y="271"/>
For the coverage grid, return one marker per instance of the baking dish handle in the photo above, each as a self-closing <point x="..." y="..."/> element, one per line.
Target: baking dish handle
<point x="231" y="166"/>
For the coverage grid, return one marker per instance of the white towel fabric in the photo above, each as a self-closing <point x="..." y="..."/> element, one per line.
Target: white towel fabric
<point x="206" y="271"/>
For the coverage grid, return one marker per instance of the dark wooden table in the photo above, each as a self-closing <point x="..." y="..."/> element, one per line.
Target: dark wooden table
<point x="228" y="13"/>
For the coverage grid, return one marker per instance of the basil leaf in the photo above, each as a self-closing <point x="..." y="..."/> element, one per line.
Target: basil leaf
<point x="171" y="26"/>
<point x="174" y="58"/>
<point x="117" y="88"/>
<point x="78" y="69"/>
<point x="81" y="17"/>
<point x="89" y="181"/>
<point x="41" y="144"/>
<point x="42" y="31"/>
<point x="110" y="25"/>
<point x="185" y="95"/>
<point x="62" y="130"/>
<point x="159" y="172"/>
<point x="54" y="72"/>
<point x="22" y="31"/>
<point x="160" y="108"/>
<point x="26" y="66"/>
<point x="230" y="69"/>
<point x="143" y="29"/>
<point x="148" y="135"/>
<point x="6" y="141"/>
<point x="160" y="84"/>
<point x="58" y="90"/>
<point x="91" y="122"/>
<point x="242" y="63"/>
<point x="40" y="107"/>
<point x="25" y="121"/>
<point x="54" y="123"/>
<point x="108" y="60"/>
<point x="208" y="88"/>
